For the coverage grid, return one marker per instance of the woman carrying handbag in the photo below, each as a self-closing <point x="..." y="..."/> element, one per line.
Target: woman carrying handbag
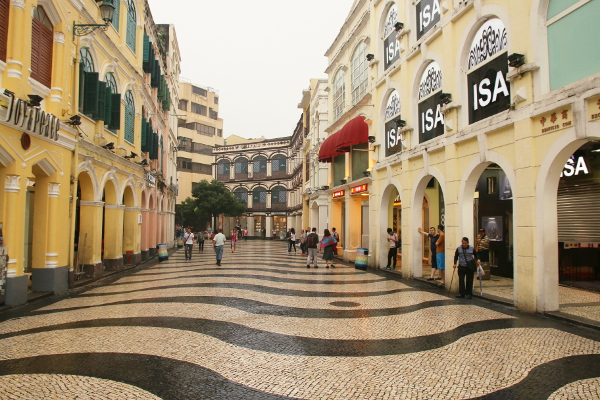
<point x="468" y="261"/>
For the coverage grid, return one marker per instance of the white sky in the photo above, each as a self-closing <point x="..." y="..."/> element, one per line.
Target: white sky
<point x="258" y="55"/>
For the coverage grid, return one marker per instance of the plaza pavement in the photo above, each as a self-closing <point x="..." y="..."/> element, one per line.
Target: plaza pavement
<point x="263" y="326"/>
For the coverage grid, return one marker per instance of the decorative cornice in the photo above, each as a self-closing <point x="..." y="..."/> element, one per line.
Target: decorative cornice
<point x="59" y="38"/>
<point x="91" y="203"/>
<point x="114" y="206"/>
<point x="18" y="4"/>
<point x="53" y="189"/>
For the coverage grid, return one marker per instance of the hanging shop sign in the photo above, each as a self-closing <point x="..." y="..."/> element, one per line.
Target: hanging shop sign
<point x="151" y="179"/>
<point x="24" y="117"/>
<point x="393" y="138"/>
<point x="575" y="166"/>
<point x="339" y="193"/>
<point x="489" y="92"/>
<point x="594" y="108"/>
<point x="555" y="120"/>
<point x="391" y="43"/>
<point x="428" y="14"/>
<point x="359" y="189"/>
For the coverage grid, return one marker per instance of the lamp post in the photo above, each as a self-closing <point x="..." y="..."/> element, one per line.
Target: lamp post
<point x="107" y="11"/>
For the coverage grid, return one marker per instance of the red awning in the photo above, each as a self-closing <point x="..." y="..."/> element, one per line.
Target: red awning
<point x="356" y="131"/>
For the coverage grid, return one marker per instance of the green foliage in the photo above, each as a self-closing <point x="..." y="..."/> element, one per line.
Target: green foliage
<point x="210" y="199"/>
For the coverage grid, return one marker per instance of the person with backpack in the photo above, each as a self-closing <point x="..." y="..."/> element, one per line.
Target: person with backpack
<point x="201" y="242"/>
<point x="327" y="244"/>
<point x="312" y="240"/>
<point x="393" y="240"/>
<point x="188" y="240"/>
<point x="336" y="237"/>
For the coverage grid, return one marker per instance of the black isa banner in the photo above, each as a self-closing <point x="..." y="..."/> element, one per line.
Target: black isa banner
<point x="431" y="119"/>
<point x="489" y="91"/>
<point x="392" y="50"/>
<point x="428" y="14"/>
<point x="393" y="144"/>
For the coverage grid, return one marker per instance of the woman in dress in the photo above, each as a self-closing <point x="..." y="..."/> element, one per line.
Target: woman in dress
<point x="327" y="244"/>
<point x="234" y="235"/>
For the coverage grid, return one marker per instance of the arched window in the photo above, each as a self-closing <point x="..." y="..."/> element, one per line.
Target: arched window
<point x="431" y="118"/>
<point x="278" y="165"/>
<point x="570" y="63"/>
<point x="117" y="13"/>
<point x="359" y="72"/>
<point x="489" y="91"/>
<point x="129" y="117"/>
<point x="391" y="44"/>
<point x="4" y="9"/>
<point x="241" y="194"/>
<point x="339" y="94"/>
<point x="112" y="117"/>
<point x="241" y="168"/>
<point x="223" y="169"/>
<point x="259" y="198"/>
<point x="111" y="83"/>
<point x="42" y="38"/>
<point x="279" y="198"/>
<point x="259" y="166"/>
<point x="131" y="25"/>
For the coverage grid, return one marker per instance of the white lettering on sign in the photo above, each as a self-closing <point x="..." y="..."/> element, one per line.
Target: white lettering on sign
<point x="428" y="13"/>
<point x="483" y="96"/>
<point x="392" y="138"/>
<point x="392" y="50"/>
<point x="429" y="121"/>
<point x="32" y="119"/>
<point x="575" y="167"/>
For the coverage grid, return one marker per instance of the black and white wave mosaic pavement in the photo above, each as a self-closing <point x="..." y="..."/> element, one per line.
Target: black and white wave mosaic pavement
<point x="263" y="326"/>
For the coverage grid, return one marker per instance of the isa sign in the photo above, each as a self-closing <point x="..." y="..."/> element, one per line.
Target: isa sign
<point x="489" y="92"/>
<point x="428" y="14"/>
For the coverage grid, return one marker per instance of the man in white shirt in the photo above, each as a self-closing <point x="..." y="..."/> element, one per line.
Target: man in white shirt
<point x="188" y="240"/>
<point x="219" y="242"/>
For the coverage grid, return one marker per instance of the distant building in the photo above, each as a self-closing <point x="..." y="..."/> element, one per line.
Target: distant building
<point x="199" y="130"/>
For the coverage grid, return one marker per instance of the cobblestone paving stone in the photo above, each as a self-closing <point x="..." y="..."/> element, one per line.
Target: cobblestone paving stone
<point x="269" y="328"/>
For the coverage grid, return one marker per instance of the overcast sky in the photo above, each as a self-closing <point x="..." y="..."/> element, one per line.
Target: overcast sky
<point x="258" y="55"/>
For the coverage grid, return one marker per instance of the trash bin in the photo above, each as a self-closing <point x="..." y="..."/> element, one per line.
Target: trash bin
<point x="163" y="254"/>
<point x="362" y="257"/>
<point x="179" y="242"/>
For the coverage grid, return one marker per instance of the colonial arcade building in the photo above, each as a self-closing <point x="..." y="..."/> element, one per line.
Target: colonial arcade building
<point x="482" y="115"/>
<point x="86" y="141"/>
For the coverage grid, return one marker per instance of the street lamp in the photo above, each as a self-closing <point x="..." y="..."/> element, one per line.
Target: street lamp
<point x="107" y="10"/>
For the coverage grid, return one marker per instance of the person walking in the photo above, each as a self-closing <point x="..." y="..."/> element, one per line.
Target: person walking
<point x="312" y="241"/>
<point x="433" y="237"/>
<point x="440" y="246"/>
<point x="234" y="237"/>
<point x="201" y="242"/>
<point x="292" y="241"/>
<point x="303" y="242"/>
<point x="245" y="235"/>
<point x="464" y="254"/>
<point x="219" y="243"/>
<point x="327" y="244"/>
<point x="393" y="251"/>
<point x="188" y="240"/>
<point x="482" y="247"/>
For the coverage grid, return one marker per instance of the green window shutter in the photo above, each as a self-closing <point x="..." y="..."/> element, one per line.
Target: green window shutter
<point x="101" y="112"/>
<point x="115" y="20"/>
<point x="108" y="106"/>
<point x="148" y="66"/>
<point x="166" y="104"/>
<point x="115" y="117"/>
<point x="146" y="49"/>
<point x="145" y="132"/>
<point x="90" y="94"/>
<point x="161" y="88"/>
<point x="154" y="148"/>
<point x="155" y="80"/>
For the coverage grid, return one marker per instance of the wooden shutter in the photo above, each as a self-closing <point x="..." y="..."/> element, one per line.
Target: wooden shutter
<point x="146" y="58"/>
<point x="101" y="111"/>
<point x="115" y="117"/>
<point x="148" y="66"/>
<point x="4" y="8"/>
<point x="41" y="52"/>
<point x="144" y="135"/>
<point x="154" y="149"/>
<point x="108" y="106"/>
<point x="91" y="93"/>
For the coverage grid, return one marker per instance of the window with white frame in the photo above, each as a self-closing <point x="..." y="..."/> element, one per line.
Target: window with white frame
<point x="339" y="94"/>
<point x="359" y="72"/>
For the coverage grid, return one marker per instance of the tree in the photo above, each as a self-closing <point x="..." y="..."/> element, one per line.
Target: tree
<point x="211" y="199"/>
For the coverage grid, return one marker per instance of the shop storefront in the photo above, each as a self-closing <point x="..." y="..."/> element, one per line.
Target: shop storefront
<point x="279" y="227"/>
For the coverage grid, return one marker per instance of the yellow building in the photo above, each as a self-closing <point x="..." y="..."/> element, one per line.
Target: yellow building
<point x="484" y="114"/>
<point x="79" y="158"/>
<point x="200" y="130"/>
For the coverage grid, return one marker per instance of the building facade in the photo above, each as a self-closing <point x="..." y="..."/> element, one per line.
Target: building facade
<point x="481" y="116"/>
<point x="200" y="129"/>
<point x="266" y="174"/>
<point x="85" y="189"/>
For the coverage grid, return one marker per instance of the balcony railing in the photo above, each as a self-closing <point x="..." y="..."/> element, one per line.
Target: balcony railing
<point x="259" y="207"/>
<point x="279" y="206"/>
